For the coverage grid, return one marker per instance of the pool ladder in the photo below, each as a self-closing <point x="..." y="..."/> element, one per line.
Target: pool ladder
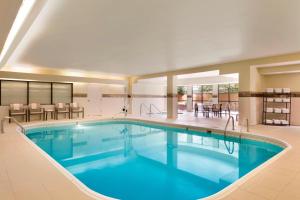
<point x="227" y="123"/>
<point x="156" y="108"/>
<point x="229" y="147"/>
<point x="11" y="118"/>
<point x="247" y="126"/>
<point x="142" y="105"/>
<point x="233" y="128"/>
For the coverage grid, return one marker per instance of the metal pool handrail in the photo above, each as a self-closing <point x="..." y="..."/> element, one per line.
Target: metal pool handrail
<point x="230" y="150"/>
<point x="141" y="108"/>
<point x="152" y="105"/>
<point x="247" y="125"/>
<point x="225" y="130"/>
<point x="12" y="118"/>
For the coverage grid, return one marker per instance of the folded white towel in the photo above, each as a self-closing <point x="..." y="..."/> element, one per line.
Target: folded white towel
<point x="277" y="110"/>
<point x="285" y="110"/>
<point x="284" y="122"/>
<point x="269" y="121"/>
<point x="270" y="110"/>
<point x="270" y="99"/>
<point x="278" y="90"/>
<point x="276" y="121"/>
<point x="286" y="100"/>
<point x="278" y="99"/>
<point x="286" y="90"/>
<point x="269" y="90"/>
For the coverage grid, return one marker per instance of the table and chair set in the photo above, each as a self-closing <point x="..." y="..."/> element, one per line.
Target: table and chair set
<point x="215" y="110"/>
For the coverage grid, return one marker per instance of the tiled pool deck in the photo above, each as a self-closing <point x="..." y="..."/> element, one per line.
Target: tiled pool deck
<point x="26" y="174"/>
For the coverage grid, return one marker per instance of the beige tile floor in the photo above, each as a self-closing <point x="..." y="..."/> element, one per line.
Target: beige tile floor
<point x="26" y="174"/>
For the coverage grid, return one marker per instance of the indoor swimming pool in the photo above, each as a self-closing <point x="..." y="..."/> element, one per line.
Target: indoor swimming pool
<point x="132" y="160"/>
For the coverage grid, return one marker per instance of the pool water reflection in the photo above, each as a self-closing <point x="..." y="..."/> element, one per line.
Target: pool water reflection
<point x="137" y="161"/>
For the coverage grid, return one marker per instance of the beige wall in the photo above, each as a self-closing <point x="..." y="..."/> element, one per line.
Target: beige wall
<point x="111" y="102"/>
<point x="291" y="80"/>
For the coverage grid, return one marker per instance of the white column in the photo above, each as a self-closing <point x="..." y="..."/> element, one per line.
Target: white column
<point x="129" y="95"/>
<point x="248" y="109"/>
<point x="189" y="102"/>
<point x="171" y="97"/>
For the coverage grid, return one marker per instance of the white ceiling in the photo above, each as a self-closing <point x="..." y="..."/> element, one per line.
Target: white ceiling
<point x="136" y="37"/>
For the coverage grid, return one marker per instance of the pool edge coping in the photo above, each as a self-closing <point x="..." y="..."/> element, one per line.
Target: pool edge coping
<point x="216" y="196"/>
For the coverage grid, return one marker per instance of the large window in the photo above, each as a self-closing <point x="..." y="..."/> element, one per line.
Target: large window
<point x="13" y="92"/>
<point x="234" y="96"/>
<point x="26" y="92"/>
<point x="229" y="94"/>
<point x="197" y="94"/>
<point x="182" y="97"/>
<point x="62" y="93"/>
<point x="207" y="92"/>
<point x="40" y="92"/>
<point x="202" y="93"/>
<point x="224" y="93"/>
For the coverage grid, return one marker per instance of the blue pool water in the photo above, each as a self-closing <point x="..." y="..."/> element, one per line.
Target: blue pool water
<point x="137" y="161"/>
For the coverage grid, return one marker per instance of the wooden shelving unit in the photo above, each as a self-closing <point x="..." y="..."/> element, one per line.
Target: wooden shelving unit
<point x="274" y="104"/>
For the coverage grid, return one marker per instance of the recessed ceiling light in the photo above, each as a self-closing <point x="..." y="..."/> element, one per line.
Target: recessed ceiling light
<point x="199" y="74"/>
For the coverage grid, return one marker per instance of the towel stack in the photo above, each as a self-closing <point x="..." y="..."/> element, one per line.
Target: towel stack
<point x="286" y="90"/>
<point x="278" y="100"/>
<point x="286" y="100"/>
<point x="269" y="121"/>
<point x="278" y="90"/>
<point x="277" y="121"/>
<point x="285" y="110"/>
<point x="277" y="110"/>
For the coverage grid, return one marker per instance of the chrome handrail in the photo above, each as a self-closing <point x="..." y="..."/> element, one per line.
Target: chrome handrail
<point x="141" y="108"/>
<point x="247" y="125"/>
<point x="230" y="150"/>
<point x="152" y="105"/>
<point x="12" y="118"/>
<point x="225" y="130"/>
